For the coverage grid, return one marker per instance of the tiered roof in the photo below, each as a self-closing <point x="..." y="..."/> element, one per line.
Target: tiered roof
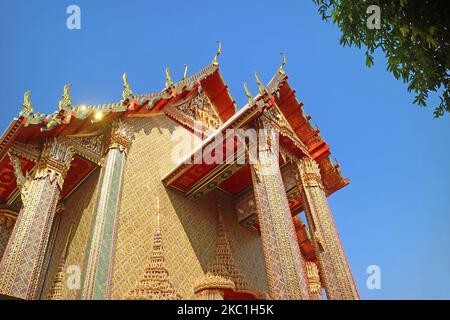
<point x="31" y="128"/>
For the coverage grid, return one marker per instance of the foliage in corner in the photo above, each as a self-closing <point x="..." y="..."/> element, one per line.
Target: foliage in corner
<point x="413" y="34"/>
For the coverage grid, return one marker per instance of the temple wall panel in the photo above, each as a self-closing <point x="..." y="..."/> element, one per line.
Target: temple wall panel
<point x="4" y="237"/>
<point x="75" y="223"/>
<point x="189" y="228"/>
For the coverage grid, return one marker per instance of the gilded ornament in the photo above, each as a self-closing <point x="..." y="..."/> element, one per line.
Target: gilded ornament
<point x="121" y="136"/>
<point x="126" y="92"/>
<point x="283" y="62"/>
<point x="169" y="81"/>
<point x="248" y="94"/>
<point x="27" y="106"/>
<point x="219" y="51"/>
<point x="66" y="100"/>
<point x="185" y="72"/>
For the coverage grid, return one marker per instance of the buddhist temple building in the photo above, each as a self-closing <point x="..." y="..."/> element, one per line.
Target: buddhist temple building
<point x="178" y="194"/>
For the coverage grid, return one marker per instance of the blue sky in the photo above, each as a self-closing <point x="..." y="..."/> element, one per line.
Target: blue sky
<point x="396" y="211"/>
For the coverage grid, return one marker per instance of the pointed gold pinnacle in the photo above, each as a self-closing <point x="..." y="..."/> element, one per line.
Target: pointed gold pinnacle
<point x="248" y="94"/>
<point x="126" y="92"/>
<point x="283" y="62"/>
<point x="185" y="71"/>
<point x="261" y="87"/>
<point x="219" y="51"/>
<point x="169" y="81"/>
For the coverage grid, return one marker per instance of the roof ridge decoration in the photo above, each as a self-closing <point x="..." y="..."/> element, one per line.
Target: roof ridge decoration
<point x="127" y="92"/>
<point x="215" y="61"/>
<point x="66" y="100"/>
<point x="185" y="72"/>
<point x="283" y="62"/>
<point x="27" y="106"/>
<point x="169" y="82"/>
<point x="261" y="87"/>
<point x="66" y="110"/>
<point x="155" y="283"/>
<point x="248" y="94"/>
<point x="222" y="272"/>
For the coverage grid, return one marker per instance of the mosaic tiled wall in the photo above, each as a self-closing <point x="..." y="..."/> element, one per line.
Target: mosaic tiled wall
<point x="188" y="227"/>
<point x="4" y="237"/>
<point x="75" y="222"/>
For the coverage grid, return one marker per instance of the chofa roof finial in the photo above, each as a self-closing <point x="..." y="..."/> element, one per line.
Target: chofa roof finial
<point x="283" y="62"/>
<point x="219" y="51"/>
<point x="185" y="72"/>
<point x="169" y="81"/>
<point x="126" y="93"/>
<point x="66" y="100"/>
<point x="261" y="87"/>
<point x="27" y="106"/>
<point x="248" y="94"/>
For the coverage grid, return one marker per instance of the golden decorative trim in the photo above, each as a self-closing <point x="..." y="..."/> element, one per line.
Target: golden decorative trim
<point x="23" y="181"/>
<point x="121" y="136"/>
<point x="66" y="100"/>
<point x="55" y="161"/>
<point x="215" y="61"/>
<point x="126" y="92"/>
<point x="88" y="147"/>
<point x="7" y="218"/>
<point x="27" y="106"/>
<point x="312" y="274"/>
<point x="28" y="151"/>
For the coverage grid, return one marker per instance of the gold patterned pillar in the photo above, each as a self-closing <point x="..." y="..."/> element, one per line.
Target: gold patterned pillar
<point x="101" y="246"/>
<point x="335" y="271"/>
<point x="24" y="258"/>
<point x="284" y="263"/>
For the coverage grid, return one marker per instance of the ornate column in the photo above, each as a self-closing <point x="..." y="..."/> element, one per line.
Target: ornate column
<point x="100" y="253"/>
<point x="284" y="263"/>
<point x="23" y="260"/>
<point x="335" y="271"/>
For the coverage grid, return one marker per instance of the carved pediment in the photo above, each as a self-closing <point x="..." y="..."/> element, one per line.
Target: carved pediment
<point x="88" y="147"/>
<point x="277" y="118"/>
<point x="199" y="109"/>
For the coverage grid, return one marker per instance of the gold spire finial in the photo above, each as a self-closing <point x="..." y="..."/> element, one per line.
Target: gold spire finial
<point x="248" y="94"/>
<point x="219" y="51"/>
<point x="66" y="100"/>
<point x="169" y="81"/>
<point x="126" y="87"/>
<point x="261" y="87"/>
<point x="155" y="283"/>
<point x="185" y="71"/>
<point x="283" y="62"/>
<point x="27" y="106"/>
